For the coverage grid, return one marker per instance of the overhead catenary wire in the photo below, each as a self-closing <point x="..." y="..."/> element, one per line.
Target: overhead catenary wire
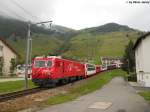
<point x="24" y="19"/>
<point x="7" y="10"/>
<point x="29" y="13"/>
<point x="23" y="9"/>
<point x="6" y="13"/>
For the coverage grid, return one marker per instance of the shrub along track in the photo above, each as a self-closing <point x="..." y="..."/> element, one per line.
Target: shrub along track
<point x="59" y="94"/>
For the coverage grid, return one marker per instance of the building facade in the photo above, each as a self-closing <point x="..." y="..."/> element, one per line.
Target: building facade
<point x="112" y="61"/>
<point x="142" y="55"/>
<point x="7" y="53"/>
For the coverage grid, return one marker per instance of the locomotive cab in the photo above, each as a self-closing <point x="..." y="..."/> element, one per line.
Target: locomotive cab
<point x="41" y="70"/>
<point x="41" y="67"/>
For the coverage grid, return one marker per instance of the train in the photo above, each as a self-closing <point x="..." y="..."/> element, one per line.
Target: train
<point x="48" y="71"/>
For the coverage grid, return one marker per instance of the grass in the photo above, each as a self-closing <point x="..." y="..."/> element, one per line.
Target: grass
<point x="41" y="45"/>
<point x="12" y="86"/>
<point x="82" y="46"/>
<point x="146" y="95"/>
<point x="93" y="46"/>
<point x="94" y="83"/>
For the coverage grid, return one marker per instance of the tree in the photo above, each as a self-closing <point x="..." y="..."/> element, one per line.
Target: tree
<point x="129" y="58"/>
<point x="13" y="66"/>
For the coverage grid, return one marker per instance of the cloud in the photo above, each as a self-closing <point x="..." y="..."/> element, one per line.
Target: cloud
<point x="39" y="9"/>
<point x="80" y="14"/>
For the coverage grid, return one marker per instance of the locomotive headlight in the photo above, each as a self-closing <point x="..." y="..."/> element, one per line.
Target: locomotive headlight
<point x="48" y="73"/>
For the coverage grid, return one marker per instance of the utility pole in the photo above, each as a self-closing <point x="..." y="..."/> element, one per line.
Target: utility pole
<point x="27" y="55"/>
<point x="29" y="50"/>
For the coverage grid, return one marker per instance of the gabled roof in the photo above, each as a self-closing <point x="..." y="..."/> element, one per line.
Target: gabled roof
<point x="140" y="39"/>
<point x="12" y="49"/>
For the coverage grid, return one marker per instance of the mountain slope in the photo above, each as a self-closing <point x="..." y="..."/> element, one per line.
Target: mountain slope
<point x="9" y="26"/>
<point x="62" y="29"/>
<point x="45" y="40"/>
<point x="41" y="45"/>
<point x="87" y="44"/>
<point x="106" y="28"/>
<point x="107" y="40"/>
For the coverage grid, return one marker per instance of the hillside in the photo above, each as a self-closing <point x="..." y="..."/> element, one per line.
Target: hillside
<point x="45" y="41"/>
<point x="86" y="44"/>
<point x="109" y="27"/>
<point x="61" y="29"/>
<point x="106" y="40"/>
<point x="41" y="45"/>
<point x="9" y="27"/>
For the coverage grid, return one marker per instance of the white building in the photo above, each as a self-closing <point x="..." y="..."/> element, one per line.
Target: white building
<point x="6" y="54"/>
<point x="112" y="61"/>
<point x="142" y="55"/>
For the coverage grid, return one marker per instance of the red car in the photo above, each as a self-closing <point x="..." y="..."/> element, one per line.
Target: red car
<point x="53" y="69"/>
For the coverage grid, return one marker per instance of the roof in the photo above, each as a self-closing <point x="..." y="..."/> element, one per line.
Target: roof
<point x="111" y="58"/>
<point x="140" y="39"/>
<point x="12" y="49"/>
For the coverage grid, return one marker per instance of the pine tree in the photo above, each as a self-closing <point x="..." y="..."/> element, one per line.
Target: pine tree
<point x="129" y="58"/>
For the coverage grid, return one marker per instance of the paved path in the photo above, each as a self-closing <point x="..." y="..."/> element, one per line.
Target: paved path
<point x="119" y="95"/>
<point x="10" y="79"/>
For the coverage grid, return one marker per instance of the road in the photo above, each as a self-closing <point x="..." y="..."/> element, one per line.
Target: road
<point x="116" y="96"/>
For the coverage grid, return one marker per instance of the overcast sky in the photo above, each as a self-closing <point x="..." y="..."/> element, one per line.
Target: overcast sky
<point x="79" y="14"/>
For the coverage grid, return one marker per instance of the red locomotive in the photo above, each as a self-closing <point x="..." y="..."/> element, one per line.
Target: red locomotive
<point x="52" y="70"/>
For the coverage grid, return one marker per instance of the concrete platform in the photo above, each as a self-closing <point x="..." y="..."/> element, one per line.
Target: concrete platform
<point x="138" y="87"/>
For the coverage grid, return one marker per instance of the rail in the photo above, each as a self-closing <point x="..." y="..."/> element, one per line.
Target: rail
<point x="13" y="95"/>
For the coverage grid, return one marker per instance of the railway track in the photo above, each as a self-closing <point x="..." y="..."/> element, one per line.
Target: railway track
<point x="13" y="95"/>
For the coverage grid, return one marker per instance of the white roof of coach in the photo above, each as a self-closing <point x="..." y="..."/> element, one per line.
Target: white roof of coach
<point x="53" y="56"/>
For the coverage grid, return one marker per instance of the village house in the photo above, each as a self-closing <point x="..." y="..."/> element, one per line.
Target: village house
<point x="112" y="61"/>
<point x="7" y="53"/>
<point x="142" y="55"/>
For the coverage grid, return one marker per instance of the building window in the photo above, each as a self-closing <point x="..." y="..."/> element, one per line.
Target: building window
<point x="1" y="48"/>
<point x="1" y="51"/>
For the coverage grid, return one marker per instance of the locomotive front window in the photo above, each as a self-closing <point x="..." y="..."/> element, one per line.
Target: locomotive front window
<point x="39" y="63"/>
<point x="49" y="63"/>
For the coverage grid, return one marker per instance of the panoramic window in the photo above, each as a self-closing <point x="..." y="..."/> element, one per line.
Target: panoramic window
<point x="91" y="67"/>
